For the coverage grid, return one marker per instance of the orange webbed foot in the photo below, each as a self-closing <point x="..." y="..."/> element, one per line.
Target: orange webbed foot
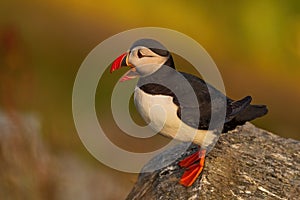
<point x="194" y="166"/>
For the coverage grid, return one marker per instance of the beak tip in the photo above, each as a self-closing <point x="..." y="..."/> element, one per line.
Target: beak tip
<point x="111" y="70"/>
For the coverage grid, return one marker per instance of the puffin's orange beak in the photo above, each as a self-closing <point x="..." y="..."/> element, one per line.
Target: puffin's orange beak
<point x="122" y="61"/>
<point x="119" y="62"/>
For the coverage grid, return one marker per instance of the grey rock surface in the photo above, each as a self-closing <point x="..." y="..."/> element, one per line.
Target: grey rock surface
<point x="246" y="163"/>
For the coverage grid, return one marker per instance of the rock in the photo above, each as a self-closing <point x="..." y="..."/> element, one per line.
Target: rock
<point x="246" y="163"/>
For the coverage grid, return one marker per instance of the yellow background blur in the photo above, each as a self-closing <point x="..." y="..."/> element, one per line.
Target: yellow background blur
<point x="255" y="44"/>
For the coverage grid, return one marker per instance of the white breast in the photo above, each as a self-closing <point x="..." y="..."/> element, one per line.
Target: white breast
<point x="161" y="114"/>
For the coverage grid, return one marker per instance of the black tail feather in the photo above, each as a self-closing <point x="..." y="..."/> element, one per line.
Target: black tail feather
<point x="250" y="113"/>
<point x="236" y="107"/>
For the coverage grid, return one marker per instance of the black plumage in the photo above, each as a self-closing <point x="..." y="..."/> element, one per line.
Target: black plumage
<point x="236" y="112"/>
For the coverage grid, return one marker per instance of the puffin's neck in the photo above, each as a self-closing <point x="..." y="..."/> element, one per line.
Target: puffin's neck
<point x="166" y="69"/>
<point x="163" y="72"/>
<point x="170" y="62"/>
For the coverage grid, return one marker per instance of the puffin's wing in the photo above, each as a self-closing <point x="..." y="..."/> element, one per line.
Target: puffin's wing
<point x="198" y="114"/>
<point x="206" y="94"/>
<point x="237" y="112"/>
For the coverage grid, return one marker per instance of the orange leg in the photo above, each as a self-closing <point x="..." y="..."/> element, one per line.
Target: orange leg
<point x="194" y="165"/>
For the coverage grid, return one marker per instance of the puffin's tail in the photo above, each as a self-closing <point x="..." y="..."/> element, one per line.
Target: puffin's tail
<point x="251" y="112"/>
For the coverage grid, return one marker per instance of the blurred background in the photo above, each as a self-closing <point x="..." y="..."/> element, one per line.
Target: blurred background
<point x="255" y="44"/>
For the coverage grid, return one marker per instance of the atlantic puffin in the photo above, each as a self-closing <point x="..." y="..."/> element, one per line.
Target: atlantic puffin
<point x="186" y="99"/>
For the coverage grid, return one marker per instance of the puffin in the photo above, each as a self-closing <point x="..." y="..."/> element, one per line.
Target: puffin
<point x="188" y="102"/>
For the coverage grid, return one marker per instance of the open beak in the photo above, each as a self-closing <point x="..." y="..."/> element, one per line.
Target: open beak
<point x="122" y="61"/>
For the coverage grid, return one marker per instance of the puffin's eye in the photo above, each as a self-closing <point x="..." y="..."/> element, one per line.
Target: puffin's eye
<point x="140" y="55"/>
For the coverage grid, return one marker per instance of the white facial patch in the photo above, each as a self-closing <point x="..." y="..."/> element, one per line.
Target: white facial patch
<point x="147" y="62"/>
